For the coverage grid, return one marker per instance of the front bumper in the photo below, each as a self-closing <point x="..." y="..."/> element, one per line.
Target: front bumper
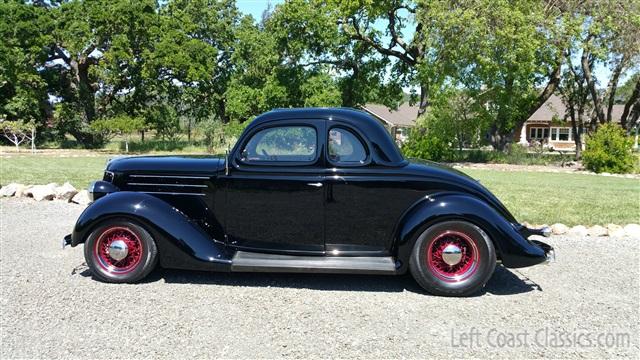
<point x="549" y="252"/>
<point x="66" y="241"/>
<point x="529" y="252"/>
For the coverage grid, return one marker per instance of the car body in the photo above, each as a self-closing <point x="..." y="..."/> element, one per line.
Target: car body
<point x="303" y="190"/>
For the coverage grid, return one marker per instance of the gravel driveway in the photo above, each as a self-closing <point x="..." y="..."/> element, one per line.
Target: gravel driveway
<point x="580" y="307"/>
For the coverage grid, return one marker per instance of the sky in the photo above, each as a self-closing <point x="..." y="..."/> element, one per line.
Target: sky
<point x="256" y="7"/>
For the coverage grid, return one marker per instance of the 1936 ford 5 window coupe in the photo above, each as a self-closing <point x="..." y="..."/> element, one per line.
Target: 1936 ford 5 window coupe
<point x="303" y="190"/>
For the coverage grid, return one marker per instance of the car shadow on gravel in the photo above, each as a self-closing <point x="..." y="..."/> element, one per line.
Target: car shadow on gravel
<point x="503" y="281"/>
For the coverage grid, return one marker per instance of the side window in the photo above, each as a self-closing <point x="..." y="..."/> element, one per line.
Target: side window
<point x="281" y="144"/>
<point x="345" y="147"/>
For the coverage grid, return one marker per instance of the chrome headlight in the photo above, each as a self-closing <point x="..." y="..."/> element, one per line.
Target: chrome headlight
<point x="99" y="188"/>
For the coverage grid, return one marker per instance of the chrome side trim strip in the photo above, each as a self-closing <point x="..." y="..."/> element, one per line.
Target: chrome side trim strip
<point x="178" y="185"/>
<point x="172" y="193"/>
<point x="171" y="177"/>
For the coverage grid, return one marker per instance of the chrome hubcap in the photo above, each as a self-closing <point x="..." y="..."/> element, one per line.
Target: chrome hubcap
<point x="451" y="254"/>
<point x="118" y="250"/>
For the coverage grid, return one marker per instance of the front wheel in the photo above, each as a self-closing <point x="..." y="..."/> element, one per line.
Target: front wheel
<point x="453" y="258"/>
<point x="119" y="251"/>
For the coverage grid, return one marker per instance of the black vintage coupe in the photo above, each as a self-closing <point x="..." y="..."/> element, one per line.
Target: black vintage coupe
<point x="303" y="190"/>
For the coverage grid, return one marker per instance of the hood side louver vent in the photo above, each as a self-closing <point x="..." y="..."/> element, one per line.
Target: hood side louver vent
<point x="167" y="184"/>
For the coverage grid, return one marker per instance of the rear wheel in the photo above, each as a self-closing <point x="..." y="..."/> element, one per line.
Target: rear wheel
<point x="120" y="250"/>
<point x="453" y="258"/>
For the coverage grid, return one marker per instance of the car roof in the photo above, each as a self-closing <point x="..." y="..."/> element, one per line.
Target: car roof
<point x="320" y="113"/>
<point x="385" y="150"/>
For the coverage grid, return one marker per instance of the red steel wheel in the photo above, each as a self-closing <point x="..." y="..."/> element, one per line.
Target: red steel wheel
<point x="118" y="250"/>
<point x="452" y="256"/>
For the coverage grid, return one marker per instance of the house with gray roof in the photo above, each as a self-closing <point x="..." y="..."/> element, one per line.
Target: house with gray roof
<point x="551" y="126"/>
<point x="398" y="121"/>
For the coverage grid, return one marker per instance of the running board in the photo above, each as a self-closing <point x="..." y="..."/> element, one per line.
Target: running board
<point x="258" y="262"/>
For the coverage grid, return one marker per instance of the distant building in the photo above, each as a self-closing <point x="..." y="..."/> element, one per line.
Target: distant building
<point x="551" y="126"/>
<point x="399" y="121"/>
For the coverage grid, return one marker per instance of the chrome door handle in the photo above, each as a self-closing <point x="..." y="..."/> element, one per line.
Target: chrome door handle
<point x="317" y="184"/>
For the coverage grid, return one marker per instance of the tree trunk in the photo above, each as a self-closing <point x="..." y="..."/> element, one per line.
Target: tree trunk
<point x="576" y="128"/>
<point x="87" y="139"/>
<point x="86" y="99"/>
<point x="552" y="85"/>
<point x="633" y="118"/>
<point x="33" y="140"/>
<point x="189" y="129"/>
<point x="586" y="70"/>
<point x="635" y="95"/>
<point x="82" y="89"/>
<point x="499" y="139"/>
<point x="220" y="104"/>
<point x="86" y="93"/>
<point x="613" y="86"/>
<point x="424" y="101"/>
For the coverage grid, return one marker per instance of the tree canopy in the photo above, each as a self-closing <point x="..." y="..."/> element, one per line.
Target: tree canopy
<point x="65" y="65"/>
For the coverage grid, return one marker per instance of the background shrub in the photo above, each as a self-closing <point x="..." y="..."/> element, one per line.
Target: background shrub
<point x="218" y="136"/>
<point x="608" y="150"/>
<point x="427" y="145"/>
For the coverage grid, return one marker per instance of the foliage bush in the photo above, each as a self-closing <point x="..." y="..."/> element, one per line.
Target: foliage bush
<point x="515" y="157"/>
<point x="122" y="125"/>
<point x="219" y="136"/>
<point x="609" y="150"/>
<point x="165" y="121"/>
<point x="450" y="124"/>
<point x="517" y="153"/>
<point x="427" y="145"/>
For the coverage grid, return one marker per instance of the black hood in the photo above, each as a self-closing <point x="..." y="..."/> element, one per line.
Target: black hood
<point x="167" y="165"/>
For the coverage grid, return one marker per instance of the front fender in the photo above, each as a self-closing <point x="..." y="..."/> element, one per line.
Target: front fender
<point x="181" y="243"/>
<point x="511" y="247"/>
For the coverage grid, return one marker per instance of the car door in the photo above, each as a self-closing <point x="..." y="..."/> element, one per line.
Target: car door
<point x="274" y="190"/>
<point x="364" y="201"/>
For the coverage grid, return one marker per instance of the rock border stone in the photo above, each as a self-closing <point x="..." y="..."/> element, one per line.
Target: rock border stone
<point x="65" y="192"/>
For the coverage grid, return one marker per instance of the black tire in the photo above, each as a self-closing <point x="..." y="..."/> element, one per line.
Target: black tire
<point x="141" y="257"/>
<point x="430" y="270"/>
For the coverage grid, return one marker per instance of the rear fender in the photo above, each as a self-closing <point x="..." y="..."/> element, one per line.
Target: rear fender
<point x="511" y="247"/>
<point x="181" y="243"/>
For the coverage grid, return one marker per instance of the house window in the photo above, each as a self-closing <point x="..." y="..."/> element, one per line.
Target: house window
<point x="538" y="133"/>
<point x="561" y="134"/>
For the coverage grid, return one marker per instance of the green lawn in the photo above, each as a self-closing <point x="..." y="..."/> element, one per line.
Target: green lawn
<point x="571" y="199"/>
<point x="535" y="197"/>
<point x="37" y="169"/>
